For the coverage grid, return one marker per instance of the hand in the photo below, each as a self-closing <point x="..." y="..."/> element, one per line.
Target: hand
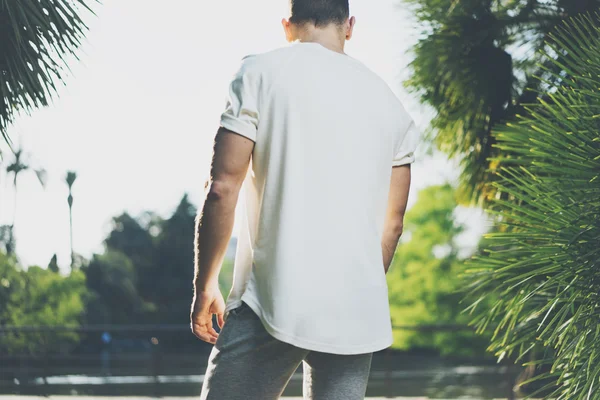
<point x="204" y="305"/>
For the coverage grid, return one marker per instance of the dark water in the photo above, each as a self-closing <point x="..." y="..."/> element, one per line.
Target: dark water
<point x="391" y="375"/>
<point x="467" y="382"/>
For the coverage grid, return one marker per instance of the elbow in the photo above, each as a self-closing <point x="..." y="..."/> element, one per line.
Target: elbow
<point x="396" y="227"/>
<point x="221" y="191"/>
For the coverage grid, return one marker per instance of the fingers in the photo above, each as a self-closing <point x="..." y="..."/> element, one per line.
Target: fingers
<point x="202" y="327"/>
<point x="205" y="333"/>
<point x="201" y="319"/>
<point x="212" y="331"/>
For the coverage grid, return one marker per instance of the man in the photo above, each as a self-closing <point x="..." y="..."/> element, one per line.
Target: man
<point x="324" y="149"/>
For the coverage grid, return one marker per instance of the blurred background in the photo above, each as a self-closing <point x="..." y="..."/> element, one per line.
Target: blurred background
<point x="108" y="113"/>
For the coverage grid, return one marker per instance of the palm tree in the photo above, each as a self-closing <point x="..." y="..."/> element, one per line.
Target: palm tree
<point x="17" y="167"/>
<point x="70" y="179"/>
<point x="36" y="38"/>
<point x="475" y="64"/>
<point x="541" y="271"/>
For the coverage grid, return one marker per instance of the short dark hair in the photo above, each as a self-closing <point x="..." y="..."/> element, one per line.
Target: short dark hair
<point x="319" y="12"/>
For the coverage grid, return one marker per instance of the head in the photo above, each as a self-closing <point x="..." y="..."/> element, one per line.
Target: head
<point x="319" y="19"/>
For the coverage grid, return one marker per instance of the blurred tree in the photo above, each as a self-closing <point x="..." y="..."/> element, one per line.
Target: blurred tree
<point x="11" y="281"/>
<point x="17" y="167"/>
<point x="226" y="277"/>
<point x="114" y="299"/>
<point x="160" y="259"/>
<point x="37" y="36"/>
<point x="38" y="297"/>
<point x="542" y="268"/>
<point x="476" y="64"/>
<point x="7" y="241"/>
<point x="424" y="280"/>
<point x="136" y="240"/>
<point x="53" y="264"/>
<point x="70" y="179"/>
<point x="146" y="272"/>
<point x="175" y="267"/>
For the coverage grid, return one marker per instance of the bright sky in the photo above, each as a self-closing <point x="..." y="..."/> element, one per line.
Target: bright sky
<point x="138" y="115"/>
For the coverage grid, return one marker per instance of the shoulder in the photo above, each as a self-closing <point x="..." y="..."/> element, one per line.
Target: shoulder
<point x="269" y="62"/>
<point x="389" y="100"/>
<point x="375" y="80"/>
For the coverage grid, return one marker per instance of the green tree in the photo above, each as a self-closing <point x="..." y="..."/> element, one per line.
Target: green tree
<point x="37" y="36"/>
<point x="174" y="271"/>
<point x="39" y="297"/>
<point x="17" y="167"/>
<point x="112" y="281"/>
<point x="7" y="240"/>
<point x="226" y="277"/>
<point x="475" y="64"/>
<point x="146" y="272"/>
<point x="53" y="264"/>
<point x="136" y="239"/>
<point x="11" y="281"/>
<point x="542" y="267"/>
<point x="70" y="180"/>
<point x="424" y="280"/>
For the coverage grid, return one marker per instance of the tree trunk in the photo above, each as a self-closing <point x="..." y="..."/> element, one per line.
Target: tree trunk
<point x="71" y="228"/>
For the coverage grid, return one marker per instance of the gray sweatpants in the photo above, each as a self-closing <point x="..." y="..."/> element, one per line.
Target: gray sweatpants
<point x="247" y="363"/>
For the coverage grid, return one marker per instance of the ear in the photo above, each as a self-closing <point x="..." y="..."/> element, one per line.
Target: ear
<point x="287" y="28"/>
<point x="350" y="27"/>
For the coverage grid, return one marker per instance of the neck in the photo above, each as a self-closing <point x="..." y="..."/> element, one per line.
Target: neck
<point x="329" y="37"/>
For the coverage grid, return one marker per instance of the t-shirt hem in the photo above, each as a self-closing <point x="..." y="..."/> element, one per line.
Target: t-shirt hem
<point x="231" y="306"/>
<point x="309" y="344"/>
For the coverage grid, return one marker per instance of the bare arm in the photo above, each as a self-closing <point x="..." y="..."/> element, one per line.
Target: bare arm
<point x="394" y="219"/>
<point x="232" y="153"/>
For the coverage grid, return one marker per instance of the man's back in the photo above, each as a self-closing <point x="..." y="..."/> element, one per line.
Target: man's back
<point x="313" y="137"/>
<point x="327" y="132"/>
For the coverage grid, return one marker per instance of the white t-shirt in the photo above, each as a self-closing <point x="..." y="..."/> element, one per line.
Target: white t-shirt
<point x="327" y="132"/>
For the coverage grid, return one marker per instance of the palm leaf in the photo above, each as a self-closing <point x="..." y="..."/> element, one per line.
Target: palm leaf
<point x="477" y="64"/>
<point x="543" y="265"/>
<point x="36" y="35"/>
<point x="70" y="178"/>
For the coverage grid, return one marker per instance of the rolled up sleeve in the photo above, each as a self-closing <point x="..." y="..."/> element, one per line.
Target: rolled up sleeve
<point x="405" y="153"/>
<point x="241" y="112"/>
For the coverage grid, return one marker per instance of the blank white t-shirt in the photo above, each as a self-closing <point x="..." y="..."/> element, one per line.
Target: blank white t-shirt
<point x="327" y="132"/>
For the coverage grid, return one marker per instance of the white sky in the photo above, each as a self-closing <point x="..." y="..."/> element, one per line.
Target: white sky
<point x="138" y="114"/>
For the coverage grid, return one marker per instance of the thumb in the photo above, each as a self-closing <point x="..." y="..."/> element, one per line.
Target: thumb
<point x="220" y="320"/>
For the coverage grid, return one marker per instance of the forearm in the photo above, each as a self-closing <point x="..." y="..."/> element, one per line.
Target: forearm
<point x="214" y="226"/>
<point x="389" y="242"/>
<point x="394" y="220"/>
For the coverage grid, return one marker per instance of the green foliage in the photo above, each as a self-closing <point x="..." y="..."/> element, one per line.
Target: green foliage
<point x="174" y="270"/>
<point x="38" y="297"/>
<point x="133" y="238"/>
<point x="423" y="287"/>
<point x="53" y="264"/>
<point x="112" y="281"/>
<point x="542" y="266"/>
<point x="7" y="239"/>
<point x="475" y="64"/>
<point x="226" y="277"/>
<point x="17" y="167"/>
<point x="146" y="273"/>
<point x="36" y="35"/>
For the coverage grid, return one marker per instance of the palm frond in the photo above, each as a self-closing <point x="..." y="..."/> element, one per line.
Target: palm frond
<point x="37" y="35"/>
<point x="543" y="266"/>
<point x="476" y="64"/>
<point x="70" y="178"/>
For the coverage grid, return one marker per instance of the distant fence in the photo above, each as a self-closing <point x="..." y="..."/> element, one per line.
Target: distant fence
<point x="179" y="328"/>
<point x="160" y="360"/>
